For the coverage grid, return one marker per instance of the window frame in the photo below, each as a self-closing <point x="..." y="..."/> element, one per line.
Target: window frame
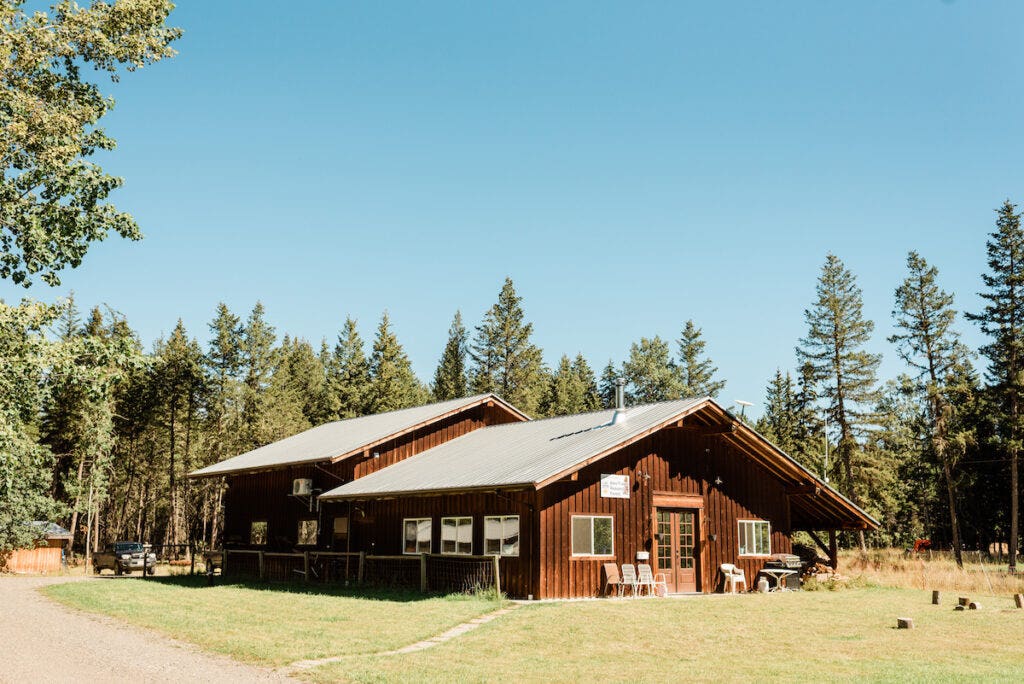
<point x="591" y="553"/>
<point x="266" y="532"/>
<point x="753" y="522"/>
<point x="501" y="546"/>
<point x="430" y="539"/>
<point x="457" y="518"/>
<point x="316" y="532"/>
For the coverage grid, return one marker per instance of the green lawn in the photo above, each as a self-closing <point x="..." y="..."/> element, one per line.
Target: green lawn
<point x="271" y="624"/>
<point x="792" y="636"/>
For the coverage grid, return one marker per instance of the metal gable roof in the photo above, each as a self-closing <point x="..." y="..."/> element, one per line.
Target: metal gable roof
<point x="525" y="453"/>
<point x="332" y="440"/>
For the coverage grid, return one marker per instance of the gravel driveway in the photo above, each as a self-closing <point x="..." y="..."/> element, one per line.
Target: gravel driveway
<point x="42" y="641"/>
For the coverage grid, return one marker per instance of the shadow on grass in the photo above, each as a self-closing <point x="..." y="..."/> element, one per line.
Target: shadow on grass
<point x="365" y="592"/>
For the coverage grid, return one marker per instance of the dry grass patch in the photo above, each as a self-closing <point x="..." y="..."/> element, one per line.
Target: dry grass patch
<point x="931" y="570"/>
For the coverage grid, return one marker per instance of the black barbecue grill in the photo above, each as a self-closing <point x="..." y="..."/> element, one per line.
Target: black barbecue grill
<point x="787" y="561"/>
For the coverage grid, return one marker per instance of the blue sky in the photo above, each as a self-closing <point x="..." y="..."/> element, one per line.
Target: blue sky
<point x="629" y="165"/>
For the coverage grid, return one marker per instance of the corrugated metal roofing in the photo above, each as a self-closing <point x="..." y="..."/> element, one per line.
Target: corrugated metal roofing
<point x="514" y="453"/>
<point x="331" y="440"/>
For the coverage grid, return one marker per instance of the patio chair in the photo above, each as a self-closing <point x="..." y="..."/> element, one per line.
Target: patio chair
<point x="733" y="577"/>
<point x="651" y="581"/>
<point x="612" y="579"/>
<point x="629" y="578"/>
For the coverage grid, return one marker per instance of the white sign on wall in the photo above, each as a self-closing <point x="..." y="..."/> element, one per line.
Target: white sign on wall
<point x="615" y="486"/>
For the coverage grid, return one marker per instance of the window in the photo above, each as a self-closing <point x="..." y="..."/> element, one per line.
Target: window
<point x="341" y="527"/>
<point x="501" y="535"/>
<point x="457" y="536"/>
<point x="258" y="533"/>
<point x="307" y="533"/>
<point x="417" y="535"/>
<point x="592" y="535"/>
<point x="755" y="538"/>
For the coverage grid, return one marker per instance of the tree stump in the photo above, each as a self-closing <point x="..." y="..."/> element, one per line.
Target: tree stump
<point x="936" y="598"/>
<point x="964" y="600"/>
<point x="904" y="623"/>
<point x="959" y="607"/>
<point x="974" y="605"/>
<point x="1019" y="600"/>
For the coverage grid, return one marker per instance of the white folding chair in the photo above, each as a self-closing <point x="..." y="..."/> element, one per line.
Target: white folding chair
<point x="652" y="582"/>
<point x="629" y="578"/>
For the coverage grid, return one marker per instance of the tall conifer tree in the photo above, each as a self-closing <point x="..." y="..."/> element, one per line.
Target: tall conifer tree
<point x="606" y="387"/>
<point x="450" y="380"/>
<point x="650" y="373"/>
<point x="1002" y="319"/>
<point x="697" y="372"/>
<point x="349" y="373"/>
<point x="928" y="343"/>
<point x="257" y="349"/>
<point x="585" y="374"/>
<point x="393" y="385"/>
<point x="505" y="359"/>
<point x="837" y="333"/>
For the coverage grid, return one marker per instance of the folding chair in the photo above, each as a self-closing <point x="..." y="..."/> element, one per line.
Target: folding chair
<point x="612" y="579"/>
<point x="652" y="582"/>
<point x="629" y="578"/>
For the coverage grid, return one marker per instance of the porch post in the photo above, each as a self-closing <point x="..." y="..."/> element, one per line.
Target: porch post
<point x="833" y="550"/>
<point x="423" y="573"/>
<point x="262" y="574"/>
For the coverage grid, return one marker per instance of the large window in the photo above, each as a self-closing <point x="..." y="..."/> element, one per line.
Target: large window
<point x="457" y="536"/>
<point x="307" y="532"/>
<point x="755" y="538"/>
<point x="592" y="535"/>
<point x="501" y="535"/>
<point x="258" y="533"/>
<point x="417" y="535"/>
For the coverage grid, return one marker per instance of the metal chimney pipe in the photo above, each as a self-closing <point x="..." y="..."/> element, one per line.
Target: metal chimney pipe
<point x="620" y="401"/>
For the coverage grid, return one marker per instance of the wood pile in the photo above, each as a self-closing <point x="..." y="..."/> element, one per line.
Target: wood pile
<point x="822" y="572"/>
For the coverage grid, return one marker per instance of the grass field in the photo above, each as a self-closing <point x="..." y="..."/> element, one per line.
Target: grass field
<point x="802" y="635"/>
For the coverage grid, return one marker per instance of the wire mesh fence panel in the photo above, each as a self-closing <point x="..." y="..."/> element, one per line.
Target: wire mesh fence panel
<point x="284" y="567"/>
<point x="392" y="571"/>
<point x="243" y="565"/>
<point x="333" y="567"/>
<point x="452" y="574"/>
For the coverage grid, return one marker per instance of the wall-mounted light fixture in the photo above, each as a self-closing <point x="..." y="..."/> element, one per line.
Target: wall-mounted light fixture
<point x="718" y="481"/>
<point x="376" y="454"/>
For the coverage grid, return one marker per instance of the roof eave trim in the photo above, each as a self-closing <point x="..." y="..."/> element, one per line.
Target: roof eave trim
<point x="366" y="496"/>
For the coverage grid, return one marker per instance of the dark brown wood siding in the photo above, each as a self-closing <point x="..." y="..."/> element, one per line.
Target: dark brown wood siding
<point x="377" y="527"/>
<point x="266" y="496"/>
<point x="671" y="461"/>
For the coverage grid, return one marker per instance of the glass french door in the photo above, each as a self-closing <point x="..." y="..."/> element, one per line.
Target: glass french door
<point x="676" y="545"/>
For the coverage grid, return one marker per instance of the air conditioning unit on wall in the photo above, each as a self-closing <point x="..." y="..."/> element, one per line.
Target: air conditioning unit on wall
<point x="302" y="487"/>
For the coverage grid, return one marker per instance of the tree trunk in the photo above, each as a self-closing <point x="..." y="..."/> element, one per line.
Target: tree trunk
<point x="74" y="511"/>
<point x="1014" y="509"/>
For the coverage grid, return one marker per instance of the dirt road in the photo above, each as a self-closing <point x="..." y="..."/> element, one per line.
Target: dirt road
<point x="42" y="641"/>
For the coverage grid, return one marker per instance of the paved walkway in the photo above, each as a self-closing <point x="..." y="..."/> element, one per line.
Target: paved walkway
<point x="42" y="641"/>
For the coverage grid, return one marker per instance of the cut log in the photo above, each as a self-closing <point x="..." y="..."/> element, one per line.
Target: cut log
<point x="959" y="607"/>
<point x="904" y="623"/>
<point x="936" y="598"/>
<point x="964" y="600"/>
<point x="1019" y="600"/>
<point x="974" y="605"/>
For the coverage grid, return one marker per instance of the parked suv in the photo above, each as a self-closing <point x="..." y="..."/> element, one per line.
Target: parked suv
<point x="124" y="557"/>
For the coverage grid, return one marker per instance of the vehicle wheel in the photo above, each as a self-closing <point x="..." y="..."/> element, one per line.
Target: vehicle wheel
<point x="150" y="571"/>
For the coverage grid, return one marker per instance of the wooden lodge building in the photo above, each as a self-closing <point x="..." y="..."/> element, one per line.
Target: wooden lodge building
<point x="682" y="482"/>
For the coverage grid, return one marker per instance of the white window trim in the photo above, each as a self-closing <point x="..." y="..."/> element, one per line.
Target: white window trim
<point x="456" y="552"/>
<point x="769" y="537"/>
<point x="502" y="519"/>
<point x="610" y="554"/>
<point x="416" y="520"/>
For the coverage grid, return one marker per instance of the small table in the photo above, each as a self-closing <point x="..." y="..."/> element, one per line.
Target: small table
<point x="779" y="574"/>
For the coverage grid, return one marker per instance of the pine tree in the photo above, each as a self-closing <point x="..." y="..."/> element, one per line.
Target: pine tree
<point x="1002" y="319"/>
<point x="650" y="373"/>
<point x="927" y="342"/>
<point x="257" y="349"/>
<point x="606" y="390"/>
<point x="505" y="361"/>
<point x="393" y="385"/>
<point x="223" y="365"/>
<point x="696" y="371"/>
<point x="585" y="374"/>
<point x="837" y="332"/>
<point x="450" y="380"/>
<point x="349" y="374"/>
<point x="778" y="423"/>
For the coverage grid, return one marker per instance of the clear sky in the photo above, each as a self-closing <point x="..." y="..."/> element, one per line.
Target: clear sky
<point x="629" y="165"/>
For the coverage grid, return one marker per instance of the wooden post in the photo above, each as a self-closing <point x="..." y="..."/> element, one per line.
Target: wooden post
<point x="497" y="574"/>
<point x="362" y="565"/>
<point x="262" y="574"/>
<point x="1019" y="600"/>
<point x="423" y="573"/>
<point x="936" y="597"/>
<point x="305" y="565"/>
<point x="192" y="555"/>
<point x="833" y="550"/>
<point x="904" y="623"/>
<point x="963" y="601"/>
